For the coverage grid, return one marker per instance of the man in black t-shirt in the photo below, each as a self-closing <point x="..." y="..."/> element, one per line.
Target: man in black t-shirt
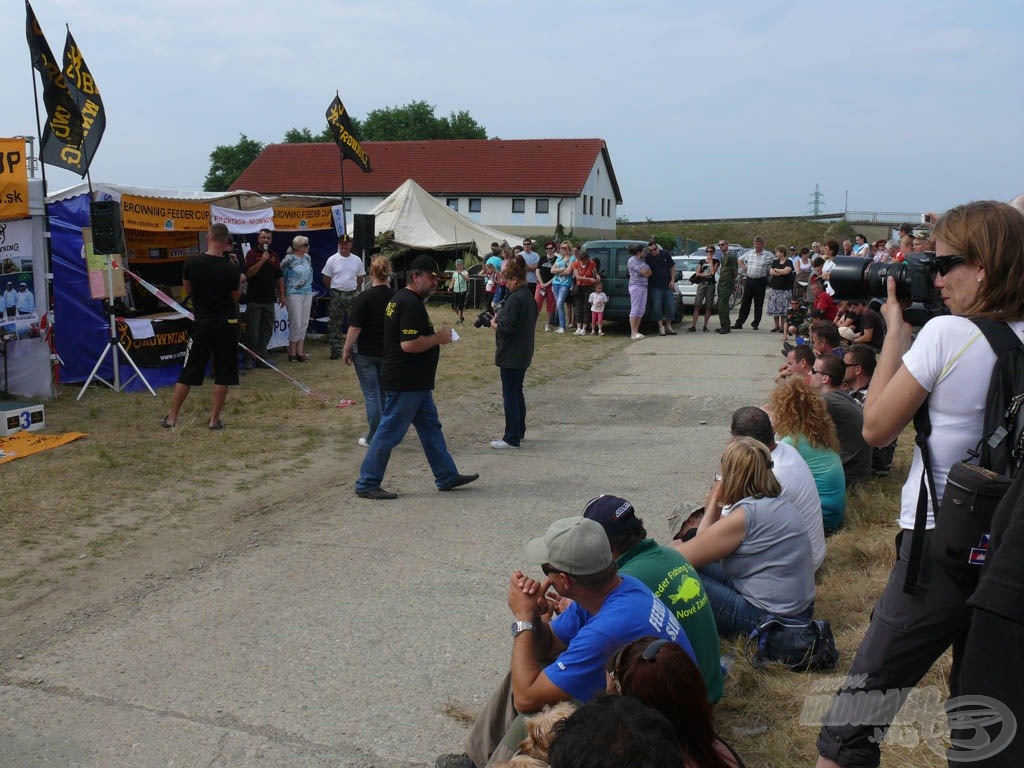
<point x="265" y="286"/>
<point x="212" y="282"/>
<point x="411" y="352"/>
<point x="872" y="325"/>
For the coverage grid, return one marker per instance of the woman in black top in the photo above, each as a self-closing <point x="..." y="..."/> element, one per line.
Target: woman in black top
<point x="364" y="343"/>
<point x="780" y="280"/>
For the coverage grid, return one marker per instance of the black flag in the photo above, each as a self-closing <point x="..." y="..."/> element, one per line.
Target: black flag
<point x="64" y="129"/>
<point x="94" y="119"/>
<point x="341" y="130"/>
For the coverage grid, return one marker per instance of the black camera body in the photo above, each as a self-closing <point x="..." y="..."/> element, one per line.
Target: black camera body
<point x="856" y="279"/>
<point x="483" y="320"/>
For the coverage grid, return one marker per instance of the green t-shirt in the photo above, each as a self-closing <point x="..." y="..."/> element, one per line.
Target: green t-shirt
<point x="675" y="582"/>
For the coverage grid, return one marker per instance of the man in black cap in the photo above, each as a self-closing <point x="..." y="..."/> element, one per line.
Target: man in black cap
<point x="411" y="352"/>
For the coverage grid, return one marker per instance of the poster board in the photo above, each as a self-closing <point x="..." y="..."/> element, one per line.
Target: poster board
<point x="96" y="266"/>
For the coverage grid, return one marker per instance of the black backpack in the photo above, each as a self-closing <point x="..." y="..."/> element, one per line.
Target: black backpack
<point x="973" y="490"/>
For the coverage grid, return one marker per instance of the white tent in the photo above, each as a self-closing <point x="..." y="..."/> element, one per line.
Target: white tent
<point x="423" y="223"/>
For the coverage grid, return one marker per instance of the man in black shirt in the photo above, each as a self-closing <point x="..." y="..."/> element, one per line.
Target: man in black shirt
<point x="212" y="282"/>
<point x="411" y="352"/>
<point x="265" y="285"/>
<point x="514" y="329"/>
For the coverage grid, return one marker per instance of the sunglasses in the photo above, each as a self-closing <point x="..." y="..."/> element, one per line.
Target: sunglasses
<point x="946" y="263"/>
<point x="816" y="372"/>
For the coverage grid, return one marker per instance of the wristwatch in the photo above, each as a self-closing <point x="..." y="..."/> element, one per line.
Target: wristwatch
<point x="518" y="627"/>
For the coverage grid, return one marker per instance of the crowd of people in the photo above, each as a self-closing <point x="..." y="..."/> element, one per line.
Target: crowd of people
<point x="618" y="632"/>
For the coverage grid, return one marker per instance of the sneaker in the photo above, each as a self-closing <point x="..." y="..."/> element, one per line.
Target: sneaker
<point x="363" y="442"/>
<point x="547" y="329"/>
<point x="454" y="761"/>
<point x="637" y="336"/>
<point x="459" y="481"/>
<point x="579" y="332"/>
<point x="600" y="333"/>
<point x="501" y="445"/>
<point x="377" y="494"/>
<point x="670" y="330"/>
<point x="593" y="333"/>
<point x="560" y="330"/>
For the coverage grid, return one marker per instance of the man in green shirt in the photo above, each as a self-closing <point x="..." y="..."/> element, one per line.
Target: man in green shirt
<point x="668" y="575"/>
<point x="726" y="279"/>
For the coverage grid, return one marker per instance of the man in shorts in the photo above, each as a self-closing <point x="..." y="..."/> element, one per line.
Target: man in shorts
<point x="213" y="283"/>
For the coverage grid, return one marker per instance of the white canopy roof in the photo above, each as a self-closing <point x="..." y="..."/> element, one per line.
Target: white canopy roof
<point x="422" y="222"/>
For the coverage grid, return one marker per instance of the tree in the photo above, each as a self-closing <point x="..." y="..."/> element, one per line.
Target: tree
<point x="305" y="136"/>
<point x="416" y="121"/>
<point x="228" y="161"/>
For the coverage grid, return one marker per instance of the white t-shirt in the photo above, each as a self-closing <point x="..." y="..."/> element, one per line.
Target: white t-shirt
<point x="344" y="271"/>
<point x="598" y="300"/>
<point x="798" y="486"/>
<point x="951" y="359"/>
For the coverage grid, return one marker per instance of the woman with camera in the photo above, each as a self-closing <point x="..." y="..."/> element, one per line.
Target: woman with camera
<point x="979" y="261"/>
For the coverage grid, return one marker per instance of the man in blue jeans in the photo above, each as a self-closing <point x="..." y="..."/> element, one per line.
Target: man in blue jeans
<point x="411" y="352"/>
<point x="661" y="287"/>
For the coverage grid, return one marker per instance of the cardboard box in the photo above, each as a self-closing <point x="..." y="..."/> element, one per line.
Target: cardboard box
<point x="15" y="417"/>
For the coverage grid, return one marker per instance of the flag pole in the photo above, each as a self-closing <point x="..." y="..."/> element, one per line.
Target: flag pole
<point x="85" y="147"/>
<point x="39" y="130"/>
<point x="344" y="213"/>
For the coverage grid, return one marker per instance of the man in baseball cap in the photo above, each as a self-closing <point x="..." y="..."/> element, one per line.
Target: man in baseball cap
<point x="563" y="658"/>
<point x="668" y="575"/>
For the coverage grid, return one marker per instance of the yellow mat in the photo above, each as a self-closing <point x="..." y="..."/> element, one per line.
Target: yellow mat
<point x="22" y="444"/>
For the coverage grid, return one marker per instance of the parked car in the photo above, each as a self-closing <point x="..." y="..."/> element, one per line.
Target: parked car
<point x="612" y="256"/>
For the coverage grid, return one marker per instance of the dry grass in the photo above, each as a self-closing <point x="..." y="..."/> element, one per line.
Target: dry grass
<point x="67" y="507"/>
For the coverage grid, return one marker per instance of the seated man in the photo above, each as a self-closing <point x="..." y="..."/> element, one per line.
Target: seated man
<point x="669" y="576"/>
<point x="608" y="610"/>
<point x="825" y="340"/>
<point x="871" y="326"/>
<point x="860" y="367"/>
<point x="828" y="378"/>
<point x="799" y="362"/>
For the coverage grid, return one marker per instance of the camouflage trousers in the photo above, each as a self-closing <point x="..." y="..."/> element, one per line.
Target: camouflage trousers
<point x="341" y="308"/>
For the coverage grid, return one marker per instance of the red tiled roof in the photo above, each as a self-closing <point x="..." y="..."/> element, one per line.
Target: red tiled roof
<point x="555" y="167"/>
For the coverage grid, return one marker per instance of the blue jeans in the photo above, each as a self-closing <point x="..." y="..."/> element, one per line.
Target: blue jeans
<point x="515" y="404"/>
<point x="662" y="304"/>
<point x="734" y="615"/>
<point x="400" y="410"/>
<point x="561" y="294"/>
<point x="368" y="373"/>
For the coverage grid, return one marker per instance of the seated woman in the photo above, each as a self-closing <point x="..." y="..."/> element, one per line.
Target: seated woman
<point x="756" y="562"/>
<point x="801" y="419"/>
<point x="663" y="676"/>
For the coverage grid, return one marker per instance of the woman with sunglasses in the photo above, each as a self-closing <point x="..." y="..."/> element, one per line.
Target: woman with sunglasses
<point x="704" y="297"/>
<point x="662" y="675"/>
<point x="979" y="256"/>
<point x="755" y="558"/>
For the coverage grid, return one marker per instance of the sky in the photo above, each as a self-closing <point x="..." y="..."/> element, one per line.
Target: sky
<point x="709" y="109"/>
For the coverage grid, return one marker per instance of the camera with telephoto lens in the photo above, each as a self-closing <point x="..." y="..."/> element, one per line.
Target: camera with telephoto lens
<point x="856" y="279"/>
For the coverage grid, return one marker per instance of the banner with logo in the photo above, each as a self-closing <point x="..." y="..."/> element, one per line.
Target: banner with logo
<point x="13" y="180"/>
<point x="341" y="129"/>
<point x="300" y="219"/>
<point x="158" y="215"/>
<point x="64" y="126"/>
<point x="86" y="94"/>
<point x="242" y="222"/>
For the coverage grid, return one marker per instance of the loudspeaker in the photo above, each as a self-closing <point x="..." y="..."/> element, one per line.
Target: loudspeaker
<point x="107" y="235"/>
<point x="362" y="233"/>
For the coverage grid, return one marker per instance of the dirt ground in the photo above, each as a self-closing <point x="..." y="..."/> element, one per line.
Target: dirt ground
<point x="283" y="621"/>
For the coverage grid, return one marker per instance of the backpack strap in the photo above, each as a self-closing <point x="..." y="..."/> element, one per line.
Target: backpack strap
<point x="923" y="427"/>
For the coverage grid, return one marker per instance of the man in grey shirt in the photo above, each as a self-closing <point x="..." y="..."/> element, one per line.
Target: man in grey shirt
<point x="827" y="377"/>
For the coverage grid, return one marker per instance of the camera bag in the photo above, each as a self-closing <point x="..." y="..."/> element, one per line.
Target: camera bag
<point x="973" y="490"/>
<point x="800" y="646"/>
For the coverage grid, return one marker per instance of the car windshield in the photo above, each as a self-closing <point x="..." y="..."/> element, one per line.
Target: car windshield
<point x="687" y="263"/>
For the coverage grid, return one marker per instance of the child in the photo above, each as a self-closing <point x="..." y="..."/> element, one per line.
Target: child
<point x="489" y="284"/>
<point x="460" y="286"/>
<point x="795" y="318"/>
<point x="597" y="301"/>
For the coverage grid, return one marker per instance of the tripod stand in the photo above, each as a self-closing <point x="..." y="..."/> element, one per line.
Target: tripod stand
<point x="112" y="347"/>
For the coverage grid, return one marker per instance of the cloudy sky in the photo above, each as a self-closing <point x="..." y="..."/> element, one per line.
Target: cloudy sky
<point x="709" y="109"/>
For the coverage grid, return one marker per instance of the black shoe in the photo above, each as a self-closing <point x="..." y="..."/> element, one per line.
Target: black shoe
<point x="691" y="330"/>
<point x="377" y="494"/>
<point x="454" y="761"/>
<point x="753" y="327"/>
<point x="737" y="326"/>
<point x="722" y="330"/>
<point x="459" y="480"/>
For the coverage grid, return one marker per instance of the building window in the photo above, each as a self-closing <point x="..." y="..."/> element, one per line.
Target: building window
<point x="474" y="205"/>
<point x="348" y="203"/>
<point x="602" y="206"/>
<point x="518" y="205"/>
<point x="453" y="203"/>
<point x="541" y="205"/>
<point x="591" y="205"/>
